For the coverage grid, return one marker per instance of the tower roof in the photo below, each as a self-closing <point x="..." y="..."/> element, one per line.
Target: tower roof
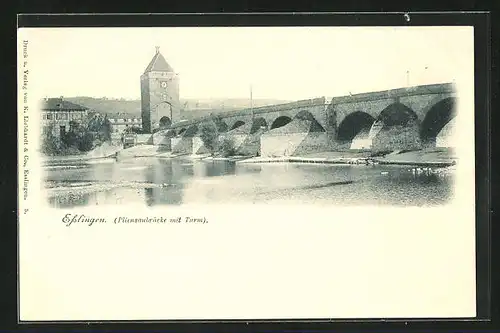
<point x="158" y="63"/>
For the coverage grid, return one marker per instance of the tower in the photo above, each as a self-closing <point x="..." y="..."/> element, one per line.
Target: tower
<point x="160" y="105"/>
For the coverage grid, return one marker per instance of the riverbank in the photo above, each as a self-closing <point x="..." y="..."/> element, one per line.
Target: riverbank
<point x="424" y="157"/>
<point x="102" y="152"/>
<point x="420" y="158"/>
<point x="436" y="157"/>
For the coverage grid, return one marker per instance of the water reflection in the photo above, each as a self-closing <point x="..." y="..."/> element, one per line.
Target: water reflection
<point x="174" y="182"/>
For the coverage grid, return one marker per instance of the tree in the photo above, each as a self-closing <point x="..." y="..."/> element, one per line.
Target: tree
<point x="50" y="144"/>
<point x="72" y="137"/>
<point x="81" y="137"/>
<point x="106" y="129"/>
<point x="226" y="147"/>
<point x="209" y="136"/>
<point x="86" y="142"/>
<point x="84" y="137"/>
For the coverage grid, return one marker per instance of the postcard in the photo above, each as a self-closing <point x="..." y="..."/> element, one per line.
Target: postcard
<point x="227" y="173"/>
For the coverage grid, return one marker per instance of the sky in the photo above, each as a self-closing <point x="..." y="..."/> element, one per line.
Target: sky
<point x="288" y="63"/>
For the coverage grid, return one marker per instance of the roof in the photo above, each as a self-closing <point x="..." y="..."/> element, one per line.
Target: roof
<point x="61" y="104"/>
<point x="158" y="64"/>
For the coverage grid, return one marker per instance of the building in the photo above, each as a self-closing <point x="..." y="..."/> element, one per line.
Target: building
<point x="57" y="114"/>
<point x="160" y="104"/>
<point x="120" y="122"/>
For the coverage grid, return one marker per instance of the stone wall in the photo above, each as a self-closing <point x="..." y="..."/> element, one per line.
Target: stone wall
<point x="144" y="139"/>
<point x="162" y="139"/>
<point x="397" y="138"/>
<point x="362" y="141"/>
<point x="244" y="143"/>
<point x="293" y="144"/>
<point x="421" y="104"/>
<point x="314" y="142"/>
<point x="446" y="137"/>
<point x="251" y="145"/>
<point x="238" y="139"/>
<point x="198" y="146"/>
<point x="182" y="145"/>
<point x="274" y="145"/>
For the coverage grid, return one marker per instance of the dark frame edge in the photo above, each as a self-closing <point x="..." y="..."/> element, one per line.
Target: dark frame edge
<point x="483" y="204"/>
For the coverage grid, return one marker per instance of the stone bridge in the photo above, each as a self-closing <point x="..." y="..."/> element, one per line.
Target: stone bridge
<point x="402" y="118"/>
<point x="270" y="117"/>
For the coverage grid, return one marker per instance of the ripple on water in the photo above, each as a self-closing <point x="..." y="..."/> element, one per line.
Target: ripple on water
<point x="173" y="182"/>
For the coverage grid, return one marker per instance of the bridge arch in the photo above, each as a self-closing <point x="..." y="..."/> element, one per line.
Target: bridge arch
<point x="354" y="124"/>
<point x="165" y="122"/>
<point x="436" y="118"/>
<point x="280" y="122"/>
<point x="257" y="124"/>
<point x="237" y="124"/>
<point x="397" y="114"/>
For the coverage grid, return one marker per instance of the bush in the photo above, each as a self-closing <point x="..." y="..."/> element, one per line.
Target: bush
<point x="68" y="151"/>
<point x="50" y="144"/>
<point x="82" y="137"/>
<point x="209" y="136"/>
<point x="226" y="147"/>
<point x="86" y="142"/>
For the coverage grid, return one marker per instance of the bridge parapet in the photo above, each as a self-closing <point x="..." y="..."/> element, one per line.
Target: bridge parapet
<point x="314" y="102"/>
<point x="395" y="93"/>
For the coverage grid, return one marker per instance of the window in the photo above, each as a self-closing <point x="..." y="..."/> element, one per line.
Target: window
<point x="49" y="116"/>
<point x="62" y="130"/>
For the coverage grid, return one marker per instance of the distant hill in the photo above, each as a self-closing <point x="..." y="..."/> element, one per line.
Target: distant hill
<point x="132" y="108"/>
<point x="111" y="107"/>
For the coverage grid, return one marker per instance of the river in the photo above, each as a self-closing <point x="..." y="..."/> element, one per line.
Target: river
<point x="153" y="181"/>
